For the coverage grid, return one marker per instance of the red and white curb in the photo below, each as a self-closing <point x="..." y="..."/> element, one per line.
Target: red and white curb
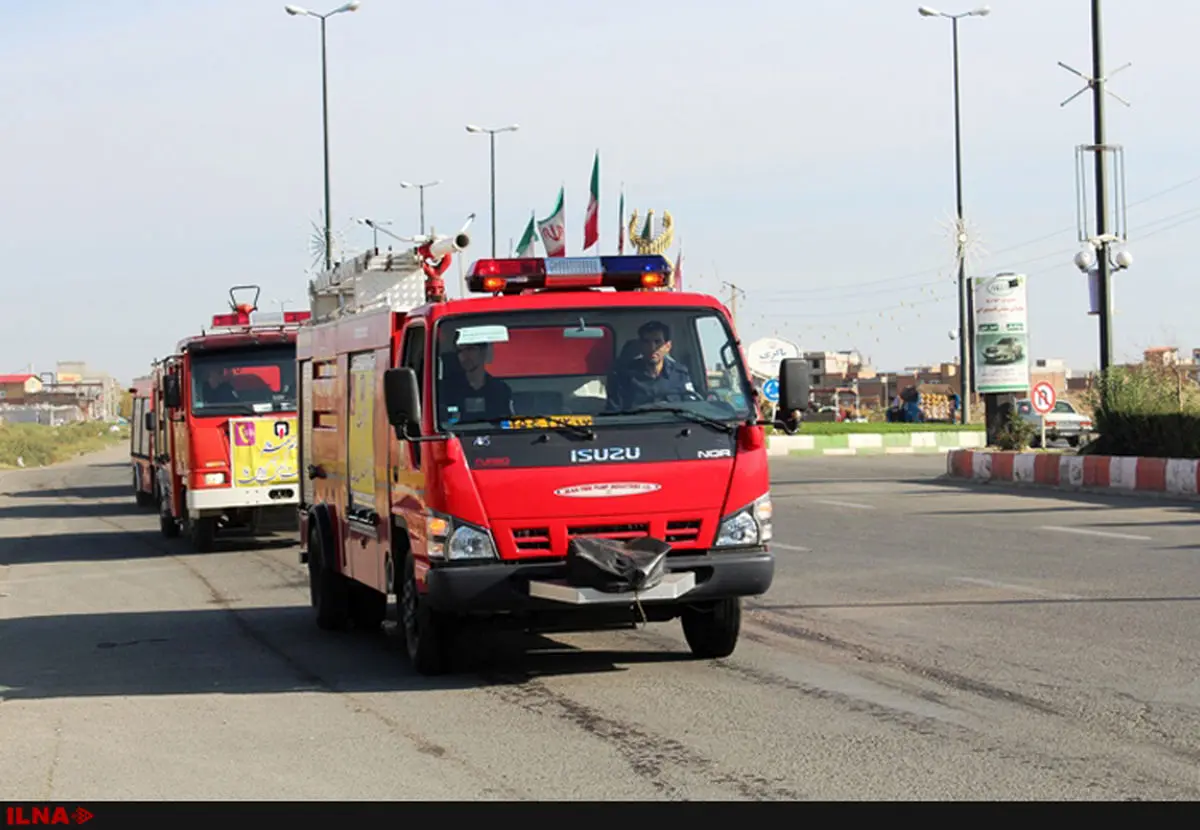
<point x="1168" y="476"/>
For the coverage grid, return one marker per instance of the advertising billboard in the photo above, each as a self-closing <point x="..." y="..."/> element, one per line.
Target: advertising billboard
<point x="1001" y="334"/>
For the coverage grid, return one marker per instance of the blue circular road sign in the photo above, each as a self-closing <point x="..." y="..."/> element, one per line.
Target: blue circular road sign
<point x="770" y="390"/>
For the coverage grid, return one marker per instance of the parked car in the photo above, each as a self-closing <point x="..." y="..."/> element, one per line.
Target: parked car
<point x="1064" y="422"/>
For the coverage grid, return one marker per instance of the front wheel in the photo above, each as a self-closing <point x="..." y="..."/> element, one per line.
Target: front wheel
<point x="167" y="522"/>
<point x="712" y="631"/>
<point x="204" y="533"/>
<point x="427" y="634"/>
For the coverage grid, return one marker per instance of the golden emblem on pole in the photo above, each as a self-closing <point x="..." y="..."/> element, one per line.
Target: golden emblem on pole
<point x="646" y="243"/>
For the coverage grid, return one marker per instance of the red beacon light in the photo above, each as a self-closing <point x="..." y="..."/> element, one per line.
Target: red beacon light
<point x="623" y="273"/>
<point x="244" y="318"/>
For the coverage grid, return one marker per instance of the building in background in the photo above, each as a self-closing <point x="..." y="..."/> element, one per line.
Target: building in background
<point x="15" y="388"/>
<point x="72" y="392"/>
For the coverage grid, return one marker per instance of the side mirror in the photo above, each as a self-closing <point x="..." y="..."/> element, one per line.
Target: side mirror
<point x="402" y="396"/>
<point x="148" y="422"/>
<point x="794" y="375"/>
<point x="171" y="396"/>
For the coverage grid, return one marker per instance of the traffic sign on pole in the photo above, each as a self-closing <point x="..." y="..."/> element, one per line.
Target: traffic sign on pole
<point x="1044" y="398"/>
<point x="770" y="390"/>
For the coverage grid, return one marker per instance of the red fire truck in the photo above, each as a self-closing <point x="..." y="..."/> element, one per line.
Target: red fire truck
<point x="226" y="446"/>
<point x="452" y="449"/>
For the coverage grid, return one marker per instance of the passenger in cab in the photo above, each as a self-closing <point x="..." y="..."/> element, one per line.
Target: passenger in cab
<point x="652" y="376"/>
<point x="475" y="395"/>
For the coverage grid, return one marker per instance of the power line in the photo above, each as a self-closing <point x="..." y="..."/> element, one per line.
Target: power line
<point x="1043" y="238"/>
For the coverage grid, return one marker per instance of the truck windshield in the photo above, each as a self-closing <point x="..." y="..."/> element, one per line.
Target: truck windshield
<point x="244" y="381"/>
<point x="589" y="366"/>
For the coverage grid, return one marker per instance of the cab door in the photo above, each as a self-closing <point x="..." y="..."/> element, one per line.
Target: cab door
<point x="405" y="466"/>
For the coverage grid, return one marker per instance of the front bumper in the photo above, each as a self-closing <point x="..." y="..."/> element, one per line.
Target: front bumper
<point x="503" y="587"/>
<point x="212" y="501"/>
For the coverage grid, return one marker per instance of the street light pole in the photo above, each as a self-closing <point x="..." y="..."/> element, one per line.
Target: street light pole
<point x="297" y="10"/>
<point x="491" y="132"/>
<point x="1106" y="328"/>
<point x="421" y="189"/>
<point x="966" y="338"/>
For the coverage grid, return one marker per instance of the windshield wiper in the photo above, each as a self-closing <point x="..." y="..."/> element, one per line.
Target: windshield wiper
<point x="558" y="423"/>
<point x="678" y="410"/>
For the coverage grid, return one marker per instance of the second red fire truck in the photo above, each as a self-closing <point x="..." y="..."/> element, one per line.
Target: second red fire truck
<point x="220" y="415"/>
<point x="452" y="450"/>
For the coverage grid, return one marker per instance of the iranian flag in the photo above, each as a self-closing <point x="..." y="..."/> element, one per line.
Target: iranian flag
<point x="591" y="228"/>
<point x="621" y="224"/>
<point x="525" y="246"/>
<point x="554" y="229"/>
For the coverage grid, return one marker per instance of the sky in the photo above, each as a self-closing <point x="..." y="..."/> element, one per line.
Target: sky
<point x="156" y="153"/>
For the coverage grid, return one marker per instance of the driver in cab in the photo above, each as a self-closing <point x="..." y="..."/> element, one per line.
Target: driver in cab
<point x="474" y="394"/>
<point x="652" y="376"/>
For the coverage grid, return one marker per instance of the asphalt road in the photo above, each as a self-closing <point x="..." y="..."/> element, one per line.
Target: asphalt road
<point x="922" y="641"/>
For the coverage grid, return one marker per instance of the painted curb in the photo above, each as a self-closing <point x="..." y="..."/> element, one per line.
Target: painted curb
<point x="875" y="443"/>
<point x="1174" y="477"/>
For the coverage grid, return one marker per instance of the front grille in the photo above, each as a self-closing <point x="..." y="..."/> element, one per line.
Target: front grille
<point x="532" y="538"/>
<point x="682" y="534"/>
<point x="683" y="531"/>
<point x="623" y="531"/>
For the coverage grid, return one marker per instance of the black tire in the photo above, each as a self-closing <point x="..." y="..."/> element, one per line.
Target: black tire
<point x="204" y="533"/>
<point x="327" y="589"/>
<point x="712" y="631"/>
<point x="368" y="607"/>
<point x="428" y="635"/>
<point x="166" y="522"/>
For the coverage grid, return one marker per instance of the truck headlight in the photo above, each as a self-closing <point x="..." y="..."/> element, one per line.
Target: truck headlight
<point x="749" y="526"/>
<point x="448" y="538"/>
<point x="214" y="479"/>
<point x="470" y="543"/>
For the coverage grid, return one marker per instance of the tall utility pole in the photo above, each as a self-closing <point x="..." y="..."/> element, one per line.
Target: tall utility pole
<point x="1102" y="262"/>
<point x="734" y="291"/>
<point x="296" y="10"/>
<point x="1105" y="234"/>
<point x="966" y="333"/>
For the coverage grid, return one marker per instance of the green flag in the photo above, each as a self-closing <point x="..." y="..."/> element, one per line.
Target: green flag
<point x="525" y="246"/>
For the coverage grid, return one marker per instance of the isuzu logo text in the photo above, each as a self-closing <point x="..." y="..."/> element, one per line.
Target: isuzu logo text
<point x="590" y="456"/>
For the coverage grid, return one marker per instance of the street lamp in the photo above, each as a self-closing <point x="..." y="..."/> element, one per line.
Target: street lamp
<point x="421" y="188"/>
<point x="297" y="10"/>
<point x="966" y="338"/>
<point x="374" y="225"/>
<point x="511" y="128"/>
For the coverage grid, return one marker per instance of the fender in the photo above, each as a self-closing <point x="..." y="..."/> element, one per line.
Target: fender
<point x="320" y="518"/>
<point x="401" y="544"/>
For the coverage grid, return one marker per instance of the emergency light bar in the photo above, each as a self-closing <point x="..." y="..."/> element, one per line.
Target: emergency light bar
<point x="242" y="319"/>
<point x="624" y="273"/>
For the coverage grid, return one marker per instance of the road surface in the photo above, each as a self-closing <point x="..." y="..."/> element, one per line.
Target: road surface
<point x="922" y="641"/>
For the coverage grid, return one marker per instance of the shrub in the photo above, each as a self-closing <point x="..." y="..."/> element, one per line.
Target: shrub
<point x="37" y="445"/>
<point x="1016" y="433"/>
<point x="1146" y="410"/>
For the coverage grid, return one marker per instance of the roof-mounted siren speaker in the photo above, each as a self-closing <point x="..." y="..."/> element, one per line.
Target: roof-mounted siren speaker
<point x="244" y="307"/>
